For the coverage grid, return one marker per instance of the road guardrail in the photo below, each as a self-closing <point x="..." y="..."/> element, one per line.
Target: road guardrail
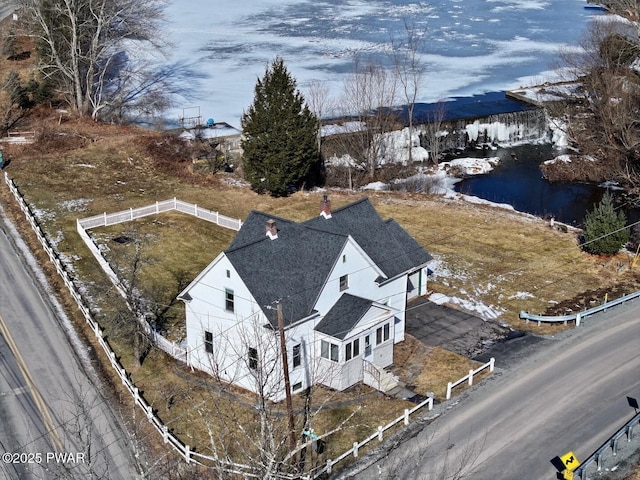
<point x="577" y="317"/>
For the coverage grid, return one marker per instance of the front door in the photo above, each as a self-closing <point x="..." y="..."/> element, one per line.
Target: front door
<point x="367" y="347"/>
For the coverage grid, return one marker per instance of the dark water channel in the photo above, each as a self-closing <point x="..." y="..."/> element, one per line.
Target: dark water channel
<point x="518" y="181"/>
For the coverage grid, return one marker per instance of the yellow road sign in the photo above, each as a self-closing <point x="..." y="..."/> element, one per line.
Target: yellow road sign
<point x="567" y="475"/>
<point x="570" y="461"/>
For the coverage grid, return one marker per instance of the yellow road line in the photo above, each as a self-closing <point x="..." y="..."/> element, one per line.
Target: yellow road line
<point x="35" y="394"/>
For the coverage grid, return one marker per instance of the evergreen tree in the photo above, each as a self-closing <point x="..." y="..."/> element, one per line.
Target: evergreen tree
<point x="604" y="232"/>
<point x="16" y="91"/>
<point x="280" y="134"/>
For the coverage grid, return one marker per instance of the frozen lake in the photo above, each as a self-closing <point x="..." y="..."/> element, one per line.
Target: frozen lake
<point x="471" y="47"/>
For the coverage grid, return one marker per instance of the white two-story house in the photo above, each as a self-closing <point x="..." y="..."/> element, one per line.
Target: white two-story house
<point x="337" y="283"/>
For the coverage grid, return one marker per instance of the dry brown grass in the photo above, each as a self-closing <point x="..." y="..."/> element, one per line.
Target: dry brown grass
<point x="427" y="370"/>
<point x="493" y="255"/>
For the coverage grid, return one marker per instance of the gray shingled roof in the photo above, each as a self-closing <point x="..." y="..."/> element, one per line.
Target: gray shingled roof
<point x="294" y="267"/>
<point x="343" y="316"/>
<point x="253" y="228"/>
<point x="387" y="243"/>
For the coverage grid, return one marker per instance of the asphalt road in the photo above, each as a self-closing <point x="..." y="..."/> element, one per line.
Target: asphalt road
<point x="54" y="422"/>
<point x="565" y="394"/>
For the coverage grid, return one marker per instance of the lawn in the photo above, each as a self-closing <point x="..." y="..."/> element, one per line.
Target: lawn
<point x="486" y="256"/>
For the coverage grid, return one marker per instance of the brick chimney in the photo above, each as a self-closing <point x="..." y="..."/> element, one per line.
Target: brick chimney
<point x="271" y="229"/>
<point x="325" y="207"/>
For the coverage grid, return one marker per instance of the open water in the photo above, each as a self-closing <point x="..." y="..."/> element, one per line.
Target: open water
<point x="518" y="181"/>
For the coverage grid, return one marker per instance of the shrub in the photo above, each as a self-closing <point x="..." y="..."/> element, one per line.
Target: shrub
<point x="604" y="232"/>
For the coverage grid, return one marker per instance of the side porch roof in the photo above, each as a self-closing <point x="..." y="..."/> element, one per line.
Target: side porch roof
<point x="347" y="312"/>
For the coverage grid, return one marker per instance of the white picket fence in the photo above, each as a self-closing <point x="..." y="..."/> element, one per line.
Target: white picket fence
<point x="490" y="364"/>
<point x="106" y="219"/>
<point x="168" y="437"/>
<point x="328" y="468"/>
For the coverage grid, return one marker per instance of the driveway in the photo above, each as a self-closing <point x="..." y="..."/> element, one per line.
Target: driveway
<point x="571" y="394"/>
<point x="454" y="330"/>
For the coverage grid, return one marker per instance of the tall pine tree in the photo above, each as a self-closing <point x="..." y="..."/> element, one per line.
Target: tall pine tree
<point x="280" y="134"/>
<point x="604" y="232"/>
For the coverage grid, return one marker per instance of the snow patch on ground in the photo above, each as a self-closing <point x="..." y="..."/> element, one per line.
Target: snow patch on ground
<point x="486" y="312"/>
<point x="77" y="205"/>
<point x="41" y="214"/>
<point x="470" y="166"/>
<point x="521" y="296"/>
<point x="379" y="186"/>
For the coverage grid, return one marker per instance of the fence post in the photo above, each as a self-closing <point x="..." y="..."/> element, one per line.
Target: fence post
<point x="430" y="403"/>
<point x="329" y="465"/>
<point x="492" y="363"/>
<point x="104" y="219"/>
<point x="355" y="449"/>
<point x="195" y="207"/>
<point x="406" y="416"/>
<point x="187" y="453"/>
<point x="379" y="432"/>
<point x="448" y="390"/>
<point x="578" y="318"/>
<point x="471" y="377"/>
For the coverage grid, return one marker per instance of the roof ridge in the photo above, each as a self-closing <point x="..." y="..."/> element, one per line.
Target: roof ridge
<point x="352" y="204"/>
<point x="321" y="230"/>
<point x="239" y="247"/>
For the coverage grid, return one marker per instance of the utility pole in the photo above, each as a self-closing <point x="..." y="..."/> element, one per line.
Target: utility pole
<point x="287" y="383"/>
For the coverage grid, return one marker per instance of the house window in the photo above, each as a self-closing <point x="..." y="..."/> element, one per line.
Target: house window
<point x="352" y="349"/>
<point x="228" y="274"/>
<point x="382" y="334"/>
<point x="329" y="350"/>
<point x="297" y="386"/>
<point x="253" y="358"/>
<point x="229" y="300"/>
<point x="208" y="342"/>
<point x="296" y="356"/>
<point x="344" y="259"/>
<point x="367" y="346"/>
<point x="344" y="282"/>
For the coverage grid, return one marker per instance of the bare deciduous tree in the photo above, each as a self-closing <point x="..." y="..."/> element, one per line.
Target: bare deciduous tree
<point x="317" y="96"/>
<point x="433" y="135"/>
<point x="250" y="356"/>
<point x="369" y="96"/>
<point x="629" y="9"/>
<point x="409" y="70"/>
<point x="82" y="46"/>
<point x="603" y="122"/>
